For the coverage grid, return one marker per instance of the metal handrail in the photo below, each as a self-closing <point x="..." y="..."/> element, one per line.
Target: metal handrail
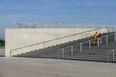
<point x="83" y="42"/>
<point x="53" y="39"/>
<point x="56" y="25"/>
<point x="86" y="41"/>
<point x="113" y="55"/>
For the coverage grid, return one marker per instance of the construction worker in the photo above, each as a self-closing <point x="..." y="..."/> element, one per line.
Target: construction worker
<point x="96" y="34"/>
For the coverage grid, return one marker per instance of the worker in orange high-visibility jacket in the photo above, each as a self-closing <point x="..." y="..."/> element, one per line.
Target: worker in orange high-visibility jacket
<point x="95" y="38"/>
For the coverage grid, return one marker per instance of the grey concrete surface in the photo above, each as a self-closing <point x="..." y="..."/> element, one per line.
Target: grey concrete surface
<point x="38" y="67"/>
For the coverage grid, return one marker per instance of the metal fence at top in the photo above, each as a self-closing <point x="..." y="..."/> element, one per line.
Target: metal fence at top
<point x="53" y="25"/>
<point x="84" y="46"/>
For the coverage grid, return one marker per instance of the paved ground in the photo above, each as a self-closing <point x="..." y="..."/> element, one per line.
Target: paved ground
<point x="37" y="67"/>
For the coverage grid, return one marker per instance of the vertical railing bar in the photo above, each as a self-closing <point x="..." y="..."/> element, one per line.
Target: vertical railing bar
<point x="112" y="28"/>
<point x="58" y="54"/>
<point x="72" y="50"/>
<point x="106" y="39"/>
<point x="108" y="56"/>
<point x="82" y="25"/>
<point x="98" y="42"/>
<point x="10" y="53"/>
<point x="89" y="44"/>
<point x="113" y="55"/>
<point x="62" y="52"/>
<point x="80" y="47"/>
<point x="114" y="37"/>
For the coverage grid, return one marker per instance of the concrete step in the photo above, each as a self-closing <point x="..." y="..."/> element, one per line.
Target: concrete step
<point x="96" y="53"/>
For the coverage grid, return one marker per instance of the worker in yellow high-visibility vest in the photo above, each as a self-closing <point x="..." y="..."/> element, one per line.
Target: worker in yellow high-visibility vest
<point x="95" y="38"/>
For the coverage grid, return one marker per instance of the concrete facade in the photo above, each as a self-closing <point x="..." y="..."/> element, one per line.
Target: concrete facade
<point x="17" y="38"/>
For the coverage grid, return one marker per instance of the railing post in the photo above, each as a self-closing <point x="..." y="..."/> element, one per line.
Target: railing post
<point x="107" y="28"/>
<point x="89" y="44"/>
<point x="114" y="37"/>
<point x="27" y="26"/>
<point x="112" y="28"/>
<point x="82" y="25"/>
<point x="63" y="53"/>
<point x="81" y="47"/>
<point x="10" y="53"/>
<point x="98" y="42"/>
<point x="20" y="26"/>
<point x="106" y="39"/>
<point x="107" y="56"/>
<point x="72" y="50"/>
<point x="58" y="54"/>
<point x="113" y="55"/>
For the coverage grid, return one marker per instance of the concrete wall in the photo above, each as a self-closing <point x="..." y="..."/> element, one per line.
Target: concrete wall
<point x="16" y="38"/>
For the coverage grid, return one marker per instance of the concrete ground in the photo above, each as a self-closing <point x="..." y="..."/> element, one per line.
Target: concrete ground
<point x="38" y="67"/>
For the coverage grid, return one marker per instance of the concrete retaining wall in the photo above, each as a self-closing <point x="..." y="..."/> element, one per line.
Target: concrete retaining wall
<point x="16" y="38"/>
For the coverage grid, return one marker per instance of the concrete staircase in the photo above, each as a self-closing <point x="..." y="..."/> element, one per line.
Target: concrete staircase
<point x="23" y="48"/>
<point x="95" y="54"/>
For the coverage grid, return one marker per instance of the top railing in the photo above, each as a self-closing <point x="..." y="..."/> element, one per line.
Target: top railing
<point x="57" y="25"/>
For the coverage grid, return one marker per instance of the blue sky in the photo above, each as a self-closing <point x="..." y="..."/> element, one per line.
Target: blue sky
<point x="48" y="11"/>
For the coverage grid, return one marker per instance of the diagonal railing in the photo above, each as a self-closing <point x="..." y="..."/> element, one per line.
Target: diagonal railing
<point x="71" y="50"/>
<point x="11" y="51"/>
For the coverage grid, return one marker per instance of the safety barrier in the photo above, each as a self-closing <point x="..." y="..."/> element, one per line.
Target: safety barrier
<point x="87" y="45"/>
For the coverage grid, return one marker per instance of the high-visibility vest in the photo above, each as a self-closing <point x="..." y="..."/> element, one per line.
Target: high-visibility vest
<point x="96" y="35"/>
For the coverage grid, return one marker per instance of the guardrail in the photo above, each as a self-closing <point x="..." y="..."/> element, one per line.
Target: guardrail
<point x="57" y="25"/>
<point x="80" y="47"/>
<point x="111" y="54"/>
<point x="52" y="40"/>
